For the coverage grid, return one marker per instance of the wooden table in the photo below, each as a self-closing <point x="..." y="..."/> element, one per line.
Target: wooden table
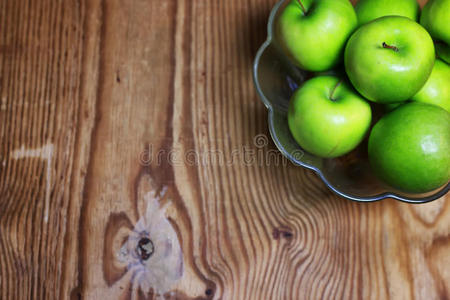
<point x="136" y="162"/>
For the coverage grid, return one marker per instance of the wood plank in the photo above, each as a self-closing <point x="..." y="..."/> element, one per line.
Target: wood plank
<point x="127" y="120"/>
<point x="40" y="66"/>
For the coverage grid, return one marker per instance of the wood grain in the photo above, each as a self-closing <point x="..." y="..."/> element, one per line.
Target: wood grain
<point x="129" y="121"/>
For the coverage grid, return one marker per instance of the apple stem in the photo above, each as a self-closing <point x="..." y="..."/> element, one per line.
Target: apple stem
<point x="334" y="90"/>
<point x="303" y="8"/>
<point x="390" y="47"/>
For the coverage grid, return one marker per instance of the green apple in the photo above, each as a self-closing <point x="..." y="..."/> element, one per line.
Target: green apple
<point x="409" y="147"/>
<point x="368" y="10"/>
<point x="327" y="117"/>
<point x="313" y="33"/>
<point x="436" y="19"/>
<point x="437" y="88"/>
<point x="443" y="51"/>
<point x="389" y="59"/>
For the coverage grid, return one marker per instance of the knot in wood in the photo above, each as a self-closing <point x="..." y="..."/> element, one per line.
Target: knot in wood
<point x="145" y="248"/>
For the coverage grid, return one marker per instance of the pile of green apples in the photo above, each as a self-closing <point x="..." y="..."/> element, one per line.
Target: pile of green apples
<point x="396" y="60"/>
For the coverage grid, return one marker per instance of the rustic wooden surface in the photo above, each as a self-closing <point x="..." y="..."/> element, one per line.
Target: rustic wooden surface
<point x="124" y="122"/>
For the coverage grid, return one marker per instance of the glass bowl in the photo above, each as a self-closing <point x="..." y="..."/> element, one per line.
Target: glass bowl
<point x="349" y="176"/>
